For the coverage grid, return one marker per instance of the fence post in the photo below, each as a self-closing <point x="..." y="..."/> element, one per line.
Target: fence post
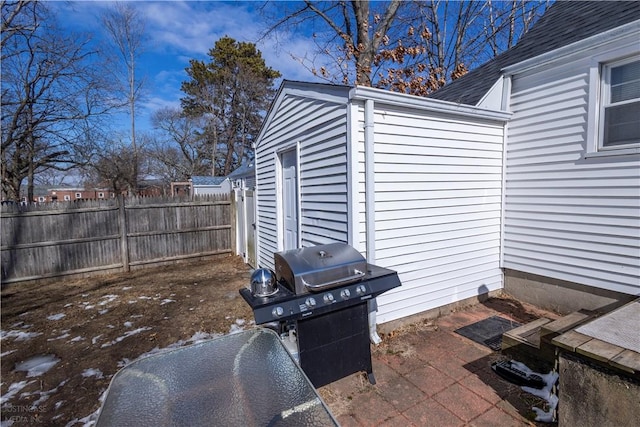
<point x="124" y="243"/>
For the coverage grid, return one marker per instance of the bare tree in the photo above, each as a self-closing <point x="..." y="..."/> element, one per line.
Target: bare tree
<point x="115" y="165"/>
<point x="50" y="92"/>
<point x="408" y="46"/>
<point x="181" y="151"/>
<point x="349" y="34"/>
<point x="126" y="30"/>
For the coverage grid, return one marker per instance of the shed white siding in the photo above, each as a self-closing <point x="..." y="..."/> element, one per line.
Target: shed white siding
<point x="223" y="188"/>
<point x="316" y="123"/>
<point x="437" y="205"/>
<point x="567" y="216"/>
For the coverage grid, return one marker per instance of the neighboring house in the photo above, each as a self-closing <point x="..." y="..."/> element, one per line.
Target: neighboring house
<point x="151" y="188"/>
<point x="505" y="176"/>
<point x="70" y="194"/>
<point x="201" y="185"/>
<point x="244" y="176"/>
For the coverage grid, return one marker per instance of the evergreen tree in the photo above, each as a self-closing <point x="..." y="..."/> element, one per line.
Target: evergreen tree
<point x="229" y="94"/>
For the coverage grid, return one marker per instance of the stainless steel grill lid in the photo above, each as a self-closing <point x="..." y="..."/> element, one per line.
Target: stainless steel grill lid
<point x="318" y="268"/>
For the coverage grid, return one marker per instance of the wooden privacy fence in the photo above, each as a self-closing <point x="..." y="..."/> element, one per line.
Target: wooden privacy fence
<point x="51" y="240"/>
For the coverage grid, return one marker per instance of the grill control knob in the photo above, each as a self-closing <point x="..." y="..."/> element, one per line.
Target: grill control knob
<point x="277" y="312"/>
<point x="328" y="298"/>
<point x="345" y="294"/>
<point x="310" y="302"/>
<point x="361" y="290"/>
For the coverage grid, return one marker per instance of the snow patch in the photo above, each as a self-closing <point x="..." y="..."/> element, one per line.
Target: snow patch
<point x="13" y="390"/>
<point x="167" y="301"/>
<point x="61" y="337"/>
<point x="19" y="335"/>
<point x="56" y="316"/>
<point x="126" y="335"/>
<point x="92" y="373"/>
<point x="37" y="365"/>
<point x="42" y="395"/>
<point x="108" y="299"/>
<point x="545" y="393"/>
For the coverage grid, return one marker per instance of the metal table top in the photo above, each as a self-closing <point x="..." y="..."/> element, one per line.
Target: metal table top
<point x="243" y="379"/>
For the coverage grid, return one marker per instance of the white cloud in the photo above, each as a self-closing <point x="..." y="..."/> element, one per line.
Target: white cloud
<point x="178" y="31"/>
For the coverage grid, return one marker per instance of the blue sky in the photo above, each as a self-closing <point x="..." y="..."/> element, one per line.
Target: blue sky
<point x="182" y="30"/>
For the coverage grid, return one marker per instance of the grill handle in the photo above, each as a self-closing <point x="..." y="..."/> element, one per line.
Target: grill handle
<point x="328" y="285"/>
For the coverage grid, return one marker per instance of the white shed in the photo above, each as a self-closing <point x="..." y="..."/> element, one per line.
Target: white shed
<point x="201" y="185"/>
<point x="412" y="183"/>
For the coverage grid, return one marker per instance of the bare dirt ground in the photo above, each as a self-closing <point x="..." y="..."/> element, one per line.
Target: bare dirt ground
<point x="90" y="328"/>
<point x="94" y="326"/>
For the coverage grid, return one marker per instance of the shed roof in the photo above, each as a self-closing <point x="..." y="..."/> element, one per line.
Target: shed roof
<point x="564" y="23"/>
<point x="244" y="170"/>
<point x="208" y="180"/>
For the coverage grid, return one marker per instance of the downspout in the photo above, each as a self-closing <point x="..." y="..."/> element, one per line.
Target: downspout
<point x="255" y="226"/>
<point x="370" y="188"/>
<point x="369" y="180"/>
<point x="299" y="194"/>
<point x="505" y="106"/>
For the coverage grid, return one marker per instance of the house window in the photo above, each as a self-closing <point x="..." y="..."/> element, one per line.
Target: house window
<point x="67" y="198"/>
<point x="78" y="195"/>
<point x="41" y="199"/>
<point x="100" y="195"/>
<point x="619" y="124"/>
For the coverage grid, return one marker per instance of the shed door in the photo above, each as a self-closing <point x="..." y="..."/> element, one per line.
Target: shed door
<point x="290" y="199"/>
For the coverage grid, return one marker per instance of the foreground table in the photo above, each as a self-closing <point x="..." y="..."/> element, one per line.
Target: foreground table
<point x="244" y="379"/>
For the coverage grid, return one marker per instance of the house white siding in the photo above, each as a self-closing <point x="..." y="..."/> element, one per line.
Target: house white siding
<point x="567" y="215"/>
<point x="316" y="123"/>
<point x="437" y="205"/>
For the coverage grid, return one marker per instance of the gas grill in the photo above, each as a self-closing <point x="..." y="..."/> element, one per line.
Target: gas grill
<point x="320" y="308"/>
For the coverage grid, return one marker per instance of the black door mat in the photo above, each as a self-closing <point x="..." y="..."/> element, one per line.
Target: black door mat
<point x="489" y="331"/>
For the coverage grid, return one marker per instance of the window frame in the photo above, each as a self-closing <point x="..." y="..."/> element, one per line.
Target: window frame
<point x="595" y="130"/>
<point x="605" y="102"/>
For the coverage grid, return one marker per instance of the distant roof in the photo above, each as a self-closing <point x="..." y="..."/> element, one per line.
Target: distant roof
<point x="207" y="180"/>
<point x="244" y="170"/>
<point x="564" y="23"/>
